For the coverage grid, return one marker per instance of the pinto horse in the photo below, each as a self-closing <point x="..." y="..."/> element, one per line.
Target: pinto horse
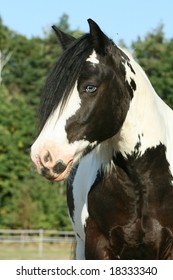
<point x="104" y="128"/>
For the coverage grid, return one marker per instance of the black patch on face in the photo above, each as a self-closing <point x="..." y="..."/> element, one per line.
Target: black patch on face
<point x="132" y="207"/>
<point x="45" y="172"/>
<point x="101" y="114"/>
<point x="59" y="167"/>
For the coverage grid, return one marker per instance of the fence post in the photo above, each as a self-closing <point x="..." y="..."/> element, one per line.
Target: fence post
<point x="22" y="238"/>
<point x="40" y="243"/>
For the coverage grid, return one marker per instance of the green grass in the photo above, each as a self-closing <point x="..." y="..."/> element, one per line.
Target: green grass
<point x="13" y="251"/>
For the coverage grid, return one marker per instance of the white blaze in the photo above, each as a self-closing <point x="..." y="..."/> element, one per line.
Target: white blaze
<point x="53" y="136"/>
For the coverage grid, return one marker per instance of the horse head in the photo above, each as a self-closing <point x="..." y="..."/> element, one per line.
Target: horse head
<point x="84" y="102"/>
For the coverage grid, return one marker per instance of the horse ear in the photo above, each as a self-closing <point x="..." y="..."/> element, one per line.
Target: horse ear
<point x="64" y="39"/>
<point x="99" y="39"/>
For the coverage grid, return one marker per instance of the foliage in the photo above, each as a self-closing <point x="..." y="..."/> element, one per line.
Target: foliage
<point x="26" y="199"/>
<point x="155" y="55"/>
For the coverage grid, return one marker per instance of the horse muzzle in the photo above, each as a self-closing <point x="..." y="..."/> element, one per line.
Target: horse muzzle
<point x="58" y="173"/>
<point x="51" y="169"/>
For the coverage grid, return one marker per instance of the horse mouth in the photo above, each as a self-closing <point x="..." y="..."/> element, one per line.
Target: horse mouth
<point x="63" y="175"/>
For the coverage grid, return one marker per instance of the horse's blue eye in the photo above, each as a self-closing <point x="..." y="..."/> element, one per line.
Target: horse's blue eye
<point x="90" y="89"/>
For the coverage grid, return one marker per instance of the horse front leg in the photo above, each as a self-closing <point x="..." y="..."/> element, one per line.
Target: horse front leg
<point x="97" y="246"/>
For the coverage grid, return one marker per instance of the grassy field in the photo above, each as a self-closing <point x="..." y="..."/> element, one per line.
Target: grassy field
<point x="31" y="252"/>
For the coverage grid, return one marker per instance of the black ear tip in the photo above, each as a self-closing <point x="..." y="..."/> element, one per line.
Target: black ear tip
<point x="64" y="39"/>
<point x="89" y="20"/>
<point x="99" y="39"/>
<point x="94" y="27"/>
<point x="55" y="28"/>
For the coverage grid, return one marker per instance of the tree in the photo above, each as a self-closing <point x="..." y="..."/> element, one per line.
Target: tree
<point x="4" y="58"/>
<point x="155" y="54"/>
<point x="26" y="200"/>
<point x="5" y="54"/>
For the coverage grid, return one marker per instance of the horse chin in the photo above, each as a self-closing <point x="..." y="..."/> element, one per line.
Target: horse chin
<point x="62" y="176"/>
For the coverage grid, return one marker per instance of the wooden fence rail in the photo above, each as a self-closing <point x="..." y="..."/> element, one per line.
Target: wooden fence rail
<point x="39" y="236"/>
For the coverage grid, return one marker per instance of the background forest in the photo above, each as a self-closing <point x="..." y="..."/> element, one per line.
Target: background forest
<point x="27" y="200"/>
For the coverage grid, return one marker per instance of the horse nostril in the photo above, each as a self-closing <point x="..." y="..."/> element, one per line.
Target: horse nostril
<point x="59" y="167"/>
<point x="47" y="157"/>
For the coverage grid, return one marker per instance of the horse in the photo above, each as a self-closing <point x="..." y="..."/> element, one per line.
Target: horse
<point x="104" y="129"/>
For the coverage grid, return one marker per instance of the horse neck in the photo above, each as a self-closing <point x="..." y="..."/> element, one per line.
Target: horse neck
<point x="146" y="123"/>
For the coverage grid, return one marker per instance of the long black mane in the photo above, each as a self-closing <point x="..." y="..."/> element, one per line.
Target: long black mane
<point x="63" y="76"/>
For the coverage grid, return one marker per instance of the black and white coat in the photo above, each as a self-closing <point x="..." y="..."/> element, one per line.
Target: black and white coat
<point x="111" y="136"/>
